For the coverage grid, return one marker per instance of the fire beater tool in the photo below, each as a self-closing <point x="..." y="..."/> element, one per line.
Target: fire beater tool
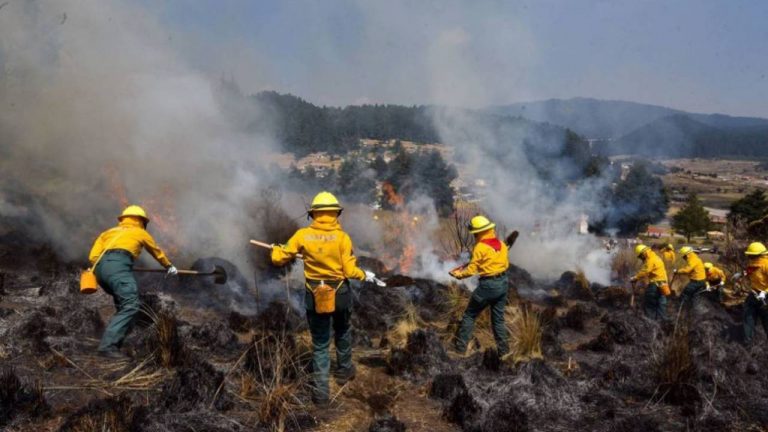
<point x="218" y="273"/>
<point x="378" y="281"/>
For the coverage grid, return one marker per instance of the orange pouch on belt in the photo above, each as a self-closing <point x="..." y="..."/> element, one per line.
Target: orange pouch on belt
<point x="88" y="284"/>
<point x="325" y="297"/>
<point x="665" y="291"/>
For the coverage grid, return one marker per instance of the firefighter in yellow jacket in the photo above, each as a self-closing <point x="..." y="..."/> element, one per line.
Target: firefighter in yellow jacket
<point x="653" y="270"/>
<point x="755" y="305"/>
<point x="490" y="260"/>
<point x="697" y="276"/>
<point x="715" y="279"/>
<point x="329" y="263"/>
<point x="113" y="252"/>
<point x="668" y="254"/>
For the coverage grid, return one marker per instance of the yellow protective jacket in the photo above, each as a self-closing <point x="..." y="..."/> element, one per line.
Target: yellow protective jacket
<point x="128" y="235"/>
<point x="668" y="255"/>
<point x="757" y="271"/>
<point x="715" y="275"/>
<point x="326" y="248"/>
<point x="653" y="269"/>
<point x="489" y="257"/>
<point x="695" y="268"/>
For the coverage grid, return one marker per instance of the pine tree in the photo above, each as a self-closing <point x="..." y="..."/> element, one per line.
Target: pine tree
<point x="692" y="219"/>
<point x="750" y="208"/>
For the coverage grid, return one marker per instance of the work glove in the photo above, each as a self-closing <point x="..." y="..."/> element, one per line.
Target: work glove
<point x="370" y="276"/>
<point x="761" y="296"/>
<point x="633" y="280"/>
<point x="172" y="271"/>
<point x="737" y="276"/>
<point x="721" y="284"/>
<point x="674" y="271"/>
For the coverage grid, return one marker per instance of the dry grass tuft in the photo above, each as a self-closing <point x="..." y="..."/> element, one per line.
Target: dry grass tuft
<point x="169" y="346"/>
<point x="407" y="323"/>
<point x="525" y="331"/>
<point x="116" y="414"/>
<point x="675" y="369"/>
<point x="581" y="280"/>
<point x="19" y="398"/>
<point x="625" y="264"/>
<point x="275" y="376"/>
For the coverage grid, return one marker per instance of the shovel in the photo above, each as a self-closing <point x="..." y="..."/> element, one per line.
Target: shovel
<point x="218" y="273"/>
<point x="377" y="281"/>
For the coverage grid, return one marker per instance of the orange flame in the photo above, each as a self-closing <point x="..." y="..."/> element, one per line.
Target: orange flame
<point x="401" y="249"/>
<point x="115" y="184"/>
<point x="160" y="208"/>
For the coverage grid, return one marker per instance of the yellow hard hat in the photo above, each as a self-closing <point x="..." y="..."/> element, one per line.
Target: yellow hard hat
<point x="325" y="201"/>
<point x="479" y="224"/>
<point x="639" y="249"/>
<point x="669" y="246"/>
<point x="134" y="210"/>
<point x="685" y="250"/>
<point x="707" y="265"/>
<point x="756" y="248"/>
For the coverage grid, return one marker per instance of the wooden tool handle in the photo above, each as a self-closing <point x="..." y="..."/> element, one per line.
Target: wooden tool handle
<point x="181" y="272"/>
<point x="261" y="244"/>
<point x="269" y="246"/>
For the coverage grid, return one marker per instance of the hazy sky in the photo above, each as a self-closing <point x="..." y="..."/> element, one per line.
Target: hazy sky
<point x="698" y="55"/>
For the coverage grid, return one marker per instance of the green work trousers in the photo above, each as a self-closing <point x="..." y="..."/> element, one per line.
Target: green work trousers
<point x="115" y="275"/>
<point x="754" y="309"/>
<point x="690" y="295"/>
<point x="654" y="303"/>
<point x="490" y="292"/>
<point x="320" y="326"/>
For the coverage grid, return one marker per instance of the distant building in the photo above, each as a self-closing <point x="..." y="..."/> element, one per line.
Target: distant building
<point x="718" y="217"/>
<point x="655" y="231"/>
<point x="583" y="224"/>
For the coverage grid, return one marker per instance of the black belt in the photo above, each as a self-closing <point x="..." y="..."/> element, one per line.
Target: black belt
<point x="494" y="276"/>
<point x="119" y="252"/>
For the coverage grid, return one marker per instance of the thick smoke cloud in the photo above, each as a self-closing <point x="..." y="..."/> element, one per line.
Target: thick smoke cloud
<point x="99" y="111"/>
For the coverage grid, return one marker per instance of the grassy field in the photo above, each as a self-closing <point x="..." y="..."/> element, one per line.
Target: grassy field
<point x="717" y="182"/>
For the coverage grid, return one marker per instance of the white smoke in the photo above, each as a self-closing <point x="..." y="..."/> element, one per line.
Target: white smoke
<point x="94" y="96"/>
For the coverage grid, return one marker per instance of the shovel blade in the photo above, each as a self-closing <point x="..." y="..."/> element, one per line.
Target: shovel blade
<point x="219" y="275"/>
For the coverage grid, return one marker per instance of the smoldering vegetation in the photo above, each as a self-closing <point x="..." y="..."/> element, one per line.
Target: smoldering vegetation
<point x="584" y="361"/>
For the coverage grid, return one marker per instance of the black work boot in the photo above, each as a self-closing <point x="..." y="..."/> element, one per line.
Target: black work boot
<point x="345" y="375"/>
<point x="112" y="353"/>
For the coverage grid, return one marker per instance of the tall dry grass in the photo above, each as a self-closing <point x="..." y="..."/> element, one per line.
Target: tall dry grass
<point x="525" y="334"/>
<point x="625" y="264"/>
<point x="275" y="379"/>
<point x="169" y="348"/>
<point x="674" y="367"/>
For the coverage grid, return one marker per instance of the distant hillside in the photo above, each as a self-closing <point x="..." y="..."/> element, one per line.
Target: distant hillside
<point x="594" y="118"/>
<point x="682" y="135"/>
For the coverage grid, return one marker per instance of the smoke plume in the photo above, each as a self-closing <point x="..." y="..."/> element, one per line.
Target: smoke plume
<point x="99" y="111"/>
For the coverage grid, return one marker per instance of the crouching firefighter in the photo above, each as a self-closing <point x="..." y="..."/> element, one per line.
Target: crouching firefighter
<point x="490" y="260"/>
<point x="328" y="265"/>
<point x="715" y="280"/>
<point x="697" y="276"/>
<point x="755" y="306"/>
<point x="112" y="257"/>
<point x="657" y="290"/>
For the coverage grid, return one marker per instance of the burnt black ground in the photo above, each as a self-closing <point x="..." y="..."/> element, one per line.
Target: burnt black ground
<point x="601" y="369"/>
